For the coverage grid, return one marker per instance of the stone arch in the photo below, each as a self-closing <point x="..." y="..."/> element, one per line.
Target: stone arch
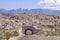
<point x="27" y="30"/>
<point x="31" y="28"/>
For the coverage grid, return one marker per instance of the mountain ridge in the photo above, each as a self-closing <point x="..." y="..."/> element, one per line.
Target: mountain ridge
<point x="38" y="11"/>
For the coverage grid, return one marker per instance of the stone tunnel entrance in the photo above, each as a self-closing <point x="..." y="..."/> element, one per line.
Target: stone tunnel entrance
<point x="28" y="30"/>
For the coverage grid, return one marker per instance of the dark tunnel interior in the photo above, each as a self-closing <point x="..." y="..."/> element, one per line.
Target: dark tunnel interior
<point x="28" y="32"/>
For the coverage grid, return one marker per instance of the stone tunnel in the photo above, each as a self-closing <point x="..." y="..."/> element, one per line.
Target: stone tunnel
<point x="29" y="30"/>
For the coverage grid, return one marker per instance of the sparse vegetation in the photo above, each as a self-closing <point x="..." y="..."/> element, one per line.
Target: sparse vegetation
<point x="13" y="22"/>
<point x="40" y="32"/>
<point x="47" y="33"/>
<point x="15" y="33"/>
<point x="7" y="35"/>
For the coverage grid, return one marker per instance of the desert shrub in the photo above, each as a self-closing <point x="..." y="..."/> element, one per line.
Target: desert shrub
<point x="48" y="33"/>
<point x="15" y="33"/>
<point x="7" y="35"/>
<point x="51" y="34"/>
<point x="40" y="32"/>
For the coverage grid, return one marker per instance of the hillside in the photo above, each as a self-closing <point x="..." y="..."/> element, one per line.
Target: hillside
<point x="16" y="21"/>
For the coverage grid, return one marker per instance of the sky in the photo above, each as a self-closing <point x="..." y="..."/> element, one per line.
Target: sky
<point x="30" y="4"/>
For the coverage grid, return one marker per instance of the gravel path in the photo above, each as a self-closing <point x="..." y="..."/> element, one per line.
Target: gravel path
<point x="34" y="37"/>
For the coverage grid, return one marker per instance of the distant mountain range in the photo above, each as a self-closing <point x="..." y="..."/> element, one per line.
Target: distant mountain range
<point x="39" y="11"/>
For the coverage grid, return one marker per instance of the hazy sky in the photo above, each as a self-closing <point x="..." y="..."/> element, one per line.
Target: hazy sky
<point x="28" y="4"/>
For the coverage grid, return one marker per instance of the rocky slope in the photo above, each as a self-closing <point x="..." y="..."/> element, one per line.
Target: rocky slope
<point x="13" y="22"/>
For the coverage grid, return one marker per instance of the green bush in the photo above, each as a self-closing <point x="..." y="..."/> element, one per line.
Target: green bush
<point x="15" y="33"/>
<point x="40" y="32"/>
<point x="8" y="35"/>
